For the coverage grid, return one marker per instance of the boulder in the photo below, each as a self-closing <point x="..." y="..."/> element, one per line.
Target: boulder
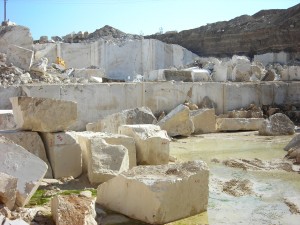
<point x="277" y="124"/>
<point x="294" y="153"/>
<point x="32" y="142"/>
<point x="73" y="209"/>
<point x="103" y="161"/>
<point x="295" y="142"/>
<point x="111" y="123"/>
<point x="8" y="189"/>
<point x="26" y="167"/>
<point x="158" y="194"/>
<point x="64" y="154"/>
<point x="40" y="66"/>
<point x="43" y="114"/>
<point x="114" y="139"/>
<point x="152" y="143"/>
<point x="20" y="57"/>
<point x="239" y="124"/>
<point x="7" y="121"/>
<point x="242" y="72"/>
<point x="204" y="121"/>
<point x="269" y="76"/>
<point x="177" y="122"/>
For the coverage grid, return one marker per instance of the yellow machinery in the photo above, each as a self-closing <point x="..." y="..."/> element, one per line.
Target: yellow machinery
<point x="60" y="61"/>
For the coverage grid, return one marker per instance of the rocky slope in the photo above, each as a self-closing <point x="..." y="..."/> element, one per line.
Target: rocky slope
<point x="265" y="31"/>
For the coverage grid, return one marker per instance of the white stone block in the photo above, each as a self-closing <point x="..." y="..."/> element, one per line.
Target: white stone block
<point x="113" y="139"/>
<point x="20" y="57"/>
<point x="32" y="142"/>
<point x="26" y="167"/>
<point x="64" y="154"/>
<point x="158" y="194"/>
<point x="152" y="143"/>
<point x="8" y="189"/>
<point x="43" y="114"/>
<point x="103" y="161"/>
<point x="7" y="121"/>
<point x="177" y="122"/>
<point x="204" y="120"/>
<point x="239" y="124"/>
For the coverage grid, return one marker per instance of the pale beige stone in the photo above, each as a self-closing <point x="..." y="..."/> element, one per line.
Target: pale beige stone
<point x="26" y="167"/>
<point x="7" y="121"/>
<point x="73" y="209"/>
<point x="158" y="194"/>
<point x="103" y="161"/>
<point x="178" y="122"/>
<point x="238" y="124"/>
<point x="204" y="121"/>
<point x="64" y="154"/>
<point x="8" y="190"/>
<point x="152" y="143"/>
<point x="277" y="124"/>
<point x="43" y="114"/>
<point x="32" y="142"/>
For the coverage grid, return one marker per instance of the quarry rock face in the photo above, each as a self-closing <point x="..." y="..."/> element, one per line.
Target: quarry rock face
<point x="265" y="31"/>
<point x="158" y="194"/>
<point x="239" y="124"/>
<point x="102" y="160"/>
<point x="177" y="122"/>
<point x="204" y="120"/>
<point x="73" y="209"/>
<point x="111" y="123"/>
<point x="295" y="142"/>
<point x="26" y="167"/>
<point x="114" y="139"/>
<point x="20" y="57"/>
<point x="152" y="143"/>
<point x="43" y="114"/>
<point x="64" y="154"/>
<point x="32" y="142"/>
<point x="8" y="189"/>
<point x="277" y="124"/>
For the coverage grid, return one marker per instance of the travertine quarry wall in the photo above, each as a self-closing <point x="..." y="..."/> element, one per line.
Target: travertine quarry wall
<point x="120" y="61"/>
<point x="98" y="100"/>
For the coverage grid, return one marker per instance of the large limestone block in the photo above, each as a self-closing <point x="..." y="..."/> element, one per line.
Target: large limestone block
<point x="236" y="124"/>
<point x="111" y="123"/>
<point x="43" y="114"/>
<point x="178" y="75"/>
<point x="177" y="122"/>
<point x="103" y="161"/>
<point x="152" y="143"/>
<point x="26" y="167"/>
<point x="204" y="120"/>
<point x="242" y="72"/>
<point x="277" y="124"/>
<point x="32" y="142"/>
<point x="7" y="121"/>
<point x="20" y="57"/>
<point x="64" y="154"/>
<point x="6" y="221"/>
<point x="8" y="189"/>
<point x="72" y="209"/>
<point x="295" y="142"/>
<point x="158" y="194"/>
<point x="114" y="139"/>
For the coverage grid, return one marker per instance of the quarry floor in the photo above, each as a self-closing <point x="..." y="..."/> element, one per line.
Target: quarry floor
<point x="236" y="195"/>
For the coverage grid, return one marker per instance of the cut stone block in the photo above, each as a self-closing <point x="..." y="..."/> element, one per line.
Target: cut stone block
<point x="204" y="121"/>
<point x="26" y="167"/>
<point x="177" y="122"/>
<point x="235" y="124"/>
<point x="8" y="189"/>
<point x="103" y="161"/>
<point x="43" y="114"/>
<point x="113" y="139"/>
<point x="6" y="221"/>
<point x="111" y="123"/>
<point x="277" y="124"/>
<point x="20" y="57"/>
<point x="178" y="75"/>
<point x="295" y="142"/>
<point x="64" y="154"/>
<point x="7" y="121"/>
<point x="158" y="194"/>
<point x="152" y="143"/>
<point x="32" y="142"/>
<point x="72" y="209"/>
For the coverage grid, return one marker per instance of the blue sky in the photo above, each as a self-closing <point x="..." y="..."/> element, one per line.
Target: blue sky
<point x="60" y="17"/>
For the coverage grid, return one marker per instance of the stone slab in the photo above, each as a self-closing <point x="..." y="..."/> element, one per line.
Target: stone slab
<point x="239" y="124"/>
<point x="204" y="121"/>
